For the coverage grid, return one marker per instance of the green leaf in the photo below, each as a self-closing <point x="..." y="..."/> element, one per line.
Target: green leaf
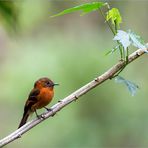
<point x="130" y="38"/>
<point x="85" y="8"/>
<point x="114" y="16"/>
<point x="132" y="87"/>
<point x="9" y="15"/>
<point x="137" y="41"/>
<point x="123" y="38"/>
<point x="112" y="50"/>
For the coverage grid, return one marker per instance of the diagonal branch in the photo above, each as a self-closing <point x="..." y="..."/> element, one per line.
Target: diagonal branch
<point x="72" y="97"/>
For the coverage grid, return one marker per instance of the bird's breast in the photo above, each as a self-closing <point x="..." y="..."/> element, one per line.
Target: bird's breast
<point x="45" y="97"/>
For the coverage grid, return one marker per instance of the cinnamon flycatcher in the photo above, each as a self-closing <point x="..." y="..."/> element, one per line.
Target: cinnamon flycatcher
<point x="40" y="96"/>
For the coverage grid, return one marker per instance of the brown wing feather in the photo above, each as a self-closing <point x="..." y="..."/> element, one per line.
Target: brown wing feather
<point x="32" y="99"/>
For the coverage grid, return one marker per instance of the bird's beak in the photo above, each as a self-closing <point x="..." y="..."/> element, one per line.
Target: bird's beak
<point x="56" y="84"/>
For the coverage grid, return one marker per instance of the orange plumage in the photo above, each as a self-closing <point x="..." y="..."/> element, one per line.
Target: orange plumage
<point x="40" y="96"/>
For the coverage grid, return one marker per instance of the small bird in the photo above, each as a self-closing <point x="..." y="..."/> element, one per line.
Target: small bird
<point x="40" y="96"/>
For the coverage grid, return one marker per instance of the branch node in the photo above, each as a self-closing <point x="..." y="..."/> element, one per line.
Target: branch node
<point x="111" y="77"/>
<point x="19" y="136"/>
<point x="76" y="98"/>
<point x="43" y="116"/>
<point x="51" y="110"/>
<point x="97" y="79"/>
<point x="121" y="60"/>
<point x="138" y="54"/>
<point x="60" y="101"/>
<point x="53" y="114"/>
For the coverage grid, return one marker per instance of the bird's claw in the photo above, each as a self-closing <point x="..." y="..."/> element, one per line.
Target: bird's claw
<point x="43" y="116"/>
<point x="48" y="109"/>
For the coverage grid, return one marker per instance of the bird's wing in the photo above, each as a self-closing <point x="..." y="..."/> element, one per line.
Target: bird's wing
<point x="33" y="94"/>
<point x="32" y="99"/>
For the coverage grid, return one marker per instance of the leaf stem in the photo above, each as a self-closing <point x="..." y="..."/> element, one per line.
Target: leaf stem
<point x="121" y="50"/>
<point x="111" y="28"/>
<point x="116" y="26"/>
<point x="120" y="46"/>
<point x="117" y="74"/>
<point x="127" y="53"/>
<point x="113" y="31"/>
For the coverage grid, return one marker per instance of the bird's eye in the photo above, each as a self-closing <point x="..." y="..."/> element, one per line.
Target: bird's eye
<point x="48" y="83"/>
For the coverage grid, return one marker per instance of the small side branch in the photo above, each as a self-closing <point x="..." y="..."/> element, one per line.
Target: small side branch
<point x="72" y="97"/>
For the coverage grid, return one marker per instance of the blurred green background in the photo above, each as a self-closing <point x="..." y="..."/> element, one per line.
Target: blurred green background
<point x="71" y="51"/>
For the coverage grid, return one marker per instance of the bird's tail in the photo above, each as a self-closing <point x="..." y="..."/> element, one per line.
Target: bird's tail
<point x="24" y="119"/>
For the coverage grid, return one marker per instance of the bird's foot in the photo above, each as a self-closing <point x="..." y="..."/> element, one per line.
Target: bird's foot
<point x="50" y="110"/>
<point x="42" y="116"/>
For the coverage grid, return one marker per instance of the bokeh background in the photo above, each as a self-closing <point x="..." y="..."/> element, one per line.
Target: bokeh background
<point x="71" y="51"/>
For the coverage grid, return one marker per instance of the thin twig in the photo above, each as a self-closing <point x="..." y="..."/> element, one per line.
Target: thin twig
<point x="114" y="33"/>
<point x="72" y="97"/>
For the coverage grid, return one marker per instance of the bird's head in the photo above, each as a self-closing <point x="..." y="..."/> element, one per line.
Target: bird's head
<point x="44" y="82"/>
